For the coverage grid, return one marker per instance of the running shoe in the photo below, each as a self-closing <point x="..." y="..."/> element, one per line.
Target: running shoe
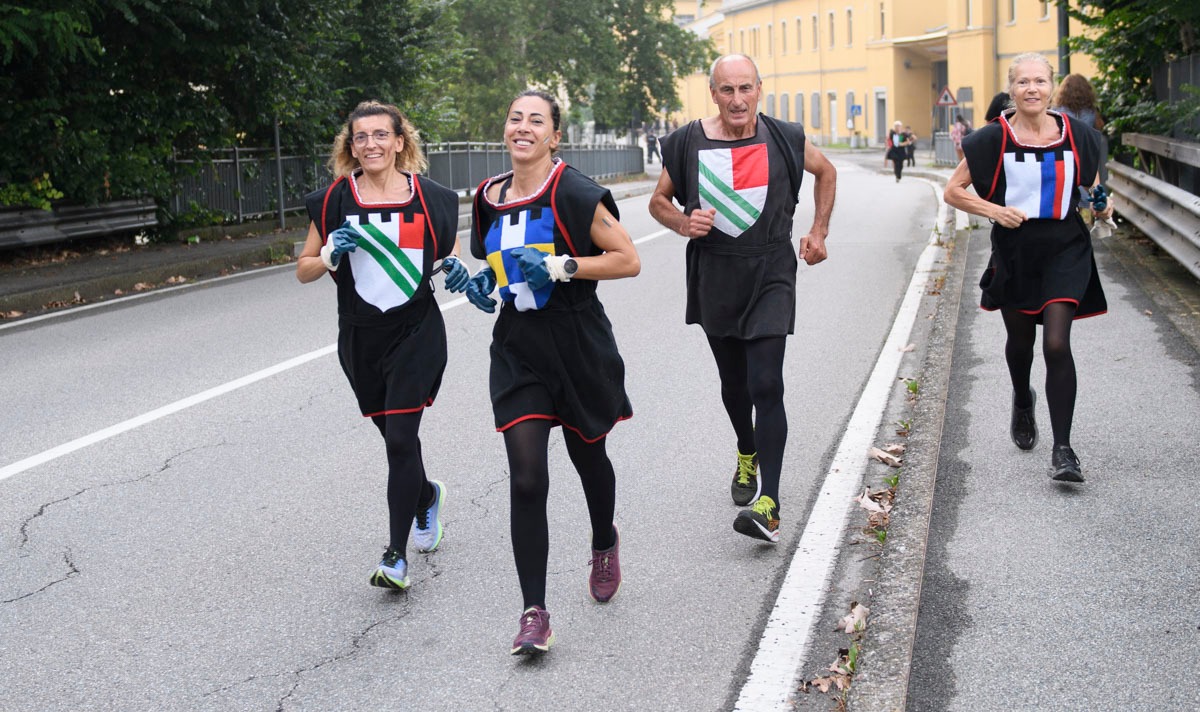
<point x="1064" y="466"/>
<point x="535" y="636"/>
<point x="605" y="579"/>
<point x="427" y="525"/>
<point x="392" y="571"/>
<point x="761" y="521"/>
<point x="746" y="485"/>
<point x="1024" y="426"/>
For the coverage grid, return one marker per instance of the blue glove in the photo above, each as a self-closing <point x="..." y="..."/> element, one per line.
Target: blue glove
<point x="532" y="262"/>
<point x="342" y="240"/>
<point x="479" y="287"/>
<point x="457" y="275"/>
<point x="1099" y="198"/>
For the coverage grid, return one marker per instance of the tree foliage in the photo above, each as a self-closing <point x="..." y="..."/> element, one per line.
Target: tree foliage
<point x="1130" y="40"/>
<point x="105" y="92"/>
<point x="618" y="57"/>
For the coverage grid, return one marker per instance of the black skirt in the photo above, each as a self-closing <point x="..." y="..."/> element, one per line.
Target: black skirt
<point x="394" y="361"/>
<point x="1042" y="262"/>
<point x="561" y="365"/>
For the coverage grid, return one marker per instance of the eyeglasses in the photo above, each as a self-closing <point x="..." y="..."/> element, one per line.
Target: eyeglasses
<point x="360" y="139"/>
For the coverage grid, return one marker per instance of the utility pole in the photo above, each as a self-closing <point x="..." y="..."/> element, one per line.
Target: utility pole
<point x="1064" y="33"/>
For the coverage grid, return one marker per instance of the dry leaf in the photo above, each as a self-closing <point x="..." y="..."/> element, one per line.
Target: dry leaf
<point x="142" y="286"/>
<point x="10" y="314"/>
<point x="176" y="280"/>
<point x="856" y="620"/>
<point x="884" y="457"/>
<point x="895" y="448"/>
<point x="1148" y="313"/>
<point x="868" y="503"/>
<point x="118" y="292"/>
<point x="906" y="349"/>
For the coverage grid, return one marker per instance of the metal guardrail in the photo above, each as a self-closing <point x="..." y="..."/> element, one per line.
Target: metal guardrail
<point x="1167" y="214"/>
<point x="943" y="149"/>
<point x="23" y="228"/>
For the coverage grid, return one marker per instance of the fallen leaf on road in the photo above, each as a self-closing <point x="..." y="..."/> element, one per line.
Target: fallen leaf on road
<point x="177" y="280"/>
<point x="142" y="286"/>
<point x="118" y="292"/>
<point x="895" y="448"/>
<point x="906" y="349"/>
<point x="886" y="458"/>
<point x="10" y="314"/>
<point x="1148" y="313"/>
<point x="869" y="503"/>
<point x="856" y="620"/>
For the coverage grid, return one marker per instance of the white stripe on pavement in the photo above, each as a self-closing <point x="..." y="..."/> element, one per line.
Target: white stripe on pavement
<point x="783" y="648"/>
<point x="54" y="453"/>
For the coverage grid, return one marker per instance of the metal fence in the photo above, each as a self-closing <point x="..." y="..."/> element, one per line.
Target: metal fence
<point x="244" y="184"/>
<point x="943" y="149"/>
<point x="1169" y="215"/>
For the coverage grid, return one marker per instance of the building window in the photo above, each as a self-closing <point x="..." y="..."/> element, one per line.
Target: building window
<point x="771" y="105"/>
<point x="970" y="18"/>
<point x="783" y="107"/>
<point x="1012" y="10"/>
<point x="742" y="42"/>
<point x="883" y="21"/>
<point x="799" y="35"/>
<point x="849" y="27"/>
<point x="783" y="37"/>
<point x="770" y="40"/>
<point x="830" y="30"/>
<point x="729" y="45"/>
<point x="816" y="34"/>
<point x="816" y="110"/>
<point x="1045" y="9"/>
<point x="799" y="107"/>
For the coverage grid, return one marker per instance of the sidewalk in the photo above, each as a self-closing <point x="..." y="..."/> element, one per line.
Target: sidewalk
<point x="38" y="280"/>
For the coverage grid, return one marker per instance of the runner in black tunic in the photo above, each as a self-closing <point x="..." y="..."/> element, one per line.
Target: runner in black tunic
<point x="548" y="233"/>
<point x="379" y="230"/>
<point x="737" y="176"/>
<point x="1027" y="167"/>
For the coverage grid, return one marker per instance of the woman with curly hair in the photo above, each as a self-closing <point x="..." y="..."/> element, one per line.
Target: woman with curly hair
<point x="1076" y="98"/>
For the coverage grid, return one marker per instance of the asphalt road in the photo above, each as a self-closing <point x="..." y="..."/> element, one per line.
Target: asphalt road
<point x="212" y="551"/>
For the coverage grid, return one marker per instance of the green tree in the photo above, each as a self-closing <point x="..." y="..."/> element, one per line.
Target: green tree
<point x="618" y="57"/>
<point x="1129" y="40"/>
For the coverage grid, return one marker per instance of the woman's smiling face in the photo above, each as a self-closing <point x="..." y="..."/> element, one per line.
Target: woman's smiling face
<point x="529" y="130"/>
<point x="374" y="150"/>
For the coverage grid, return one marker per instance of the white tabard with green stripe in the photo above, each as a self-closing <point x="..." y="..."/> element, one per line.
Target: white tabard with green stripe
<point x="387" y="264"/>
<point x="734" y="181"/>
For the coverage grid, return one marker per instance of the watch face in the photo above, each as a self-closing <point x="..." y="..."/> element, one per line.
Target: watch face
<point x="570" y="265"/>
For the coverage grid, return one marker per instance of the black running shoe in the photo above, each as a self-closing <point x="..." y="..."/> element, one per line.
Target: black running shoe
<point x="1064" y="466"/>
<point x="746" y="485"/>
<point x="1024" y="426"/>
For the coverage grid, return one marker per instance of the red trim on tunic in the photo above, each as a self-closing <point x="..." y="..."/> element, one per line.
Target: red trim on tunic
<point x="1033" y="312"/>
<point x="399" y="411"/>
<point x="555" y="421"/>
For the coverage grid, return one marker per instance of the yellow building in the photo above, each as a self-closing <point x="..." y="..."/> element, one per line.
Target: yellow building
<point x="847" y="69"/>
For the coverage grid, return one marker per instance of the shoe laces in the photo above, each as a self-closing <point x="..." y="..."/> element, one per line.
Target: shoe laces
<point x="601" y="564"/>
<point x="423" y="516"/>
<point x="765" y="506"/>
<point x="530" y="622"/>
<point x="745" y="468"/>
<point x="391" y="557"/>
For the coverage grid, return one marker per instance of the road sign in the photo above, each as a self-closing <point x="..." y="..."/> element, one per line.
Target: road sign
<point x="946" y="98"/>
<point x="856" y="109"/>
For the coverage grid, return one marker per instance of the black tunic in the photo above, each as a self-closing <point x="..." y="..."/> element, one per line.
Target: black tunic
<point x="741" y="276"/>
<point x="391" y="337"/>
<point x="1048" y="258"/>
<point x="554" y="356"/>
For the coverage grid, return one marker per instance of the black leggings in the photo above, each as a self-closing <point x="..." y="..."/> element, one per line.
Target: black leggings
<point x="752" y="391"/>
<point x="406" y="474"/>
<point x="1060" y="364"/>
<point x="898" y="166"/>
<point x="529" y="485"/>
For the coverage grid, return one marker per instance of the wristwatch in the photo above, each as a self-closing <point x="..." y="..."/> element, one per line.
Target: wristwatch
<point x="570" y="266"/>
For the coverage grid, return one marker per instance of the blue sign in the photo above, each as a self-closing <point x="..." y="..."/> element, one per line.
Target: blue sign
<point x="856" y="109"/>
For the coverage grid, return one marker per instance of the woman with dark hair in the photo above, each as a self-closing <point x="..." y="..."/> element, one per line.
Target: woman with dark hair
<point x="548" y="234"/>
<point x="1076" y="98"/>
<point x="1026" y="168"/>
<point x="1000" y="102"/>
<point x="391" y="338"/>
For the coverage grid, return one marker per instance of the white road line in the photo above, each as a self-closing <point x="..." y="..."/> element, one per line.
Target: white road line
<point x="41" y="458"/>
<point x="783" y="648"/>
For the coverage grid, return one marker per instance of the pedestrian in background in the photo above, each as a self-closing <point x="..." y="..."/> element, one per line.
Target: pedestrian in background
<point x="548" y="233"/>
<point x="911" y="137"/>
<point x="958" y="132"/>
<point x="1076" y="98"/>
<point x="391" y="337"/>
<point x="1000" y="102"/>
<point x="737" y="176"/>
<point x="1026" y="168"/>
<point x="897" y="148"/>
<point x="651" y="146"/>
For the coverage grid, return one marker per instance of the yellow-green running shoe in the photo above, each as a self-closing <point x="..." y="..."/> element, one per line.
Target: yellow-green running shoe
<point x="761" y="521"/>
<point x="746" y="485"/>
